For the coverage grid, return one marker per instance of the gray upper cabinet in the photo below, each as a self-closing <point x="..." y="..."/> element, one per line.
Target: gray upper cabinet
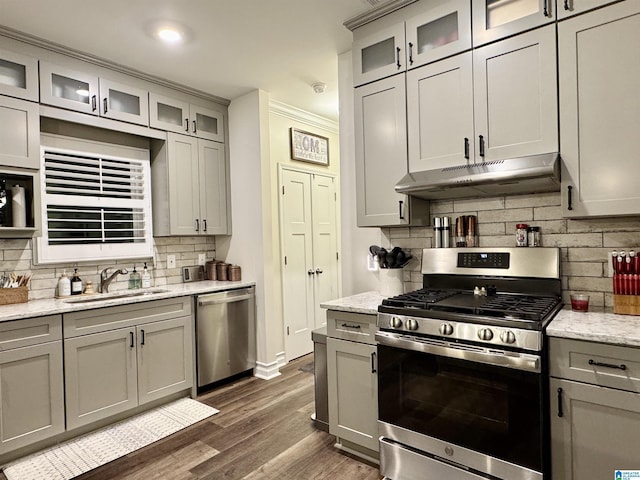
<point x="381" y="155"/>
<point x="600" y="111"/>
<point x="516" y="97"/>
<point x="85" y="92"/>
<point x="595" y="409"/>
<point x="18" y="76"/>
<point x="177" y="116"/>
<point x="411" y="37"/>
<point x="20" y="133"/>
<point x="496" y="103"/>
<point x="496" y="19"/>
<point x="190" y="182"/>
<point x="568" y="8"/>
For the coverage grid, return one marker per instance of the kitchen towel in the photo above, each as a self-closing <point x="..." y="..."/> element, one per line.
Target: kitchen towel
<point x="79" y="455"/>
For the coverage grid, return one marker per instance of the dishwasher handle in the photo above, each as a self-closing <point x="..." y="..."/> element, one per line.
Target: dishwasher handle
<point x="224" y="299"/>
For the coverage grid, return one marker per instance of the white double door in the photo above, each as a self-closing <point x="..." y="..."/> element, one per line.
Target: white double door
<point x="309" y="254"/>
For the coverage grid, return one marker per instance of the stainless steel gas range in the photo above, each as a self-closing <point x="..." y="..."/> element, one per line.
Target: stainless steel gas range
<point x="462" y="364"/>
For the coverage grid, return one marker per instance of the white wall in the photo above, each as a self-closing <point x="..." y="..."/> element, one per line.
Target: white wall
<point x="355" y="241"/>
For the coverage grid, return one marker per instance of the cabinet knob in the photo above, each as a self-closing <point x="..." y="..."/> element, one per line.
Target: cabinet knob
<point x="310" y="272"/>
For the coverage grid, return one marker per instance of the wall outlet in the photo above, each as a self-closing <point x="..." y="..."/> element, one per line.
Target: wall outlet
<point x="202" y="258"/>
<point x="171" y="261"/>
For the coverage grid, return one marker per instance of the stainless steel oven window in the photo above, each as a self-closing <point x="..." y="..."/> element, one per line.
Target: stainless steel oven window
<point x="490" y="409"/>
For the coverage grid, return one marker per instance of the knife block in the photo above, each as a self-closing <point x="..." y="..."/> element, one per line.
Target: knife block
<point x="626" y="304"/>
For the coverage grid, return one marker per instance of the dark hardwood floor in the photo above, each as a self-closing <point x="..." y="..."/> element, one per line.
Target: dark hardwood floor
<point x="263" y="431"/>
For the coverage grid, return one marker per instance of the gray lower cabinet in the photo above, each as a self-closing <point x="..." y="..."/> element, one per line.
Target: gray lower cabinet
<point x="31" y="392"/>
<point x="595" y="409"/>
<point x="352" y="382"/>
<point x="112" y="370"/>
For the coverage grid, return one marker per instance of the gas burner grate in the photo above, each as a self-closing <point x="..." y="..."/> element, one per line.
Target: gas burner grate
<point x="419" y="298"/>
<point x="524" y="307"/>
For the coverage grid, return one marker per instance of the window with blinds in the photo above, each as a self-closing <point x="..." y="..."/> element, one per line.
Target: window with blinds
<point x="94" y="207"/>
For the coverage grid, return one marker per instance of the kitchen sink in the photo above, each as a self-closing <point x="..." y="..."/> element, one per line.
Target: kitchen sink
<point x="101" y="297"/>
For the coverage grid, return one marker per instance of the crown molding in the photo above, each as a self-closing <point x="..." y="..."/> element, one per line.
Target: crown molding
<point x="297" y="114"/>
<point x="101" y="62"/>
<point x="380" y="11"/>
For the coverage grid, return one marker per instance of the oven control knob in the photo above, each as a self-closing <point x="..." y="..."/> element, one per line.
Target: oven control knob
<point x="396" y="322"/>
<point x="485" y="334"/>
<point x="446" y="329"/>
<point x="508" y="337"/>
<point x="412" y="324"/>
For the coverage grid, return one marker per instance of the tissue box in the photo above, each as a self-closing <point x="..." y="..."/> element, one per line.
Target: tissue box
<point x="14" y="295"/>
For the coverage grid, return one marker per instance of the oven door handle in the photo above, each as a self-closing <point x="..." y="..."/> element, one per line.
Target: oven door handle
<point x="517" y="361"/>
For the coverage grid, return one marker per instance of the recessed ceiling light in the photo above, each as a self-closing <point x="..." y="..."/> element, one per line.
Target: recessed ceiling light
<point x="168" y="31"/>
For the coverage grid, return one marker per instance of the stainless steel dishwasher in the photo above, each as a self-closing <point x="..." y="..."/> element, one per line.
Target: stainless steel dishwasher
<point x="225" y="334"/>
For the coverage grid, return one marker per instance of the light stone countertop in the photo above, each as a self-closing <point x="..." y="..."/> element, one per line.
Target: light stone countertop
<point x="596" y="326"/>
<point x="53" y="306"/>
<point x="366" y="302"/>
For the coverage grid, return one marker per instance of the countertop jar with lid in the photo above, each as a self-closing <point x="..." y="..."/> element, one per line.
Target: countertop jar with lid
<point x="521" y="234"/>
<point x="533" y="236"/>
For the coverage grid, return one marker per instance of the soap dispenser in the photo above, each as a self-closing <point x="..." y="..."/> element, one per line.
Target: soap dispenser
<point x="134" y="279"/>
<point x="146" y="277"/>
<point x="64" y="285"/>
<point x="76" y="283"/>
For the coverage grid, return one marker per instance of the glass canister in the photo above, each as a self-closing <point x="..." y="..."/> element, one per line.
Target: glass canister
<point x="533" y="234"/>
<point x="521" y="234"/>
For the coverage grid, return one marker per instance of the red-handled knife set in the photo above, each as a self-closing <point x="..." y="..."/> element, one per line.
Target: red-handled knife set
<point x="626" y="282"/>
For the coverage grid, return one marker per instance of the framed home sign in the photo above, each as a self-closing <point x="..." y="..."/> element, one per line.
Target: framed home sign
<point x="309" y="147"/>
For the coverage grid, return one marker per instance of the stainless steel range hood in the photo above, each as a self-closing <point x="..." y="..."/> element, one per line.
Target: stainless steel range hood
<point x="538" y="173"/>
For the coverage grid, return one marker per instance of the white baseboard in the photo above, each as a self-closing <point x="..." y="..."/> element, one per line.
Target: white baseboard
<point x="281" y="358"/>
<point x="267" y="371"/>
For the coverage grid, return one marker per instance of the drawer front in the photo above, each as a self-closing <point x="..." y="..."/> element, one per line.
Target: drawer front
<point x="357" y="327"/>
<point x="110" y="318"/>
<point x="596" y="363"/>
<point x="30" y="331"/>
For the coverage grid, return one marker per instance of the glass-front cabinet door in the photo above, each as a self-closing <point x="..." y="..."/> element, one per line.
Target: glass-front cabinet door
<point x="495" y="19"/>
<point x="18" y="76"/>
<point x="206" y="123"/>
<point x="379" y="55"/>
<point x="442" y="31"/>
<point x="123" y="102"/>
<point x="168" y="113"/>
<point x="67" y="88"/>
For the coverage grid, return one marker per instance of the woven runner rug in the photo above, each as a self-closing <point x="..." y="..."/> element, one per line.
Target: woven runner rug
<point x="84" y="453"/>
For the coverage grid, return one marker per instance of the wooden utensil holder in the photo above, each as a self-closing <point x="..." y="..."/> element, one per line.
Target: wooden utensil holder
<point x="14" y="295"/>
<point x="626" y="304"/>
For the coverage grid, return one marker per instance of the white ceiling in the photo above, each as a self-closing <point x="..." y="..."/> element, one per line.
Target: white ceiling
<point x="280" y="46"/>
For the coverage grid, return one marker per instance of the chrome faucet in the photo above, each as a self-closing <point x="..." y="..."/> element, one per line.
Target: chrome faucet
<point x="106" y="280"/>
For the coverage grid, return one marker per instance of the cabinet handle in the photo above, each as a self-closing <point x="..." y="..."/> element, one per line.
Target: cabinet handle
<point x="204" y="224"/>
<point x="622" y="366"/>
<point x="186" y="124"/>
<point x="142" y="337"/>
<point x="466" y="148"/>
<point x="310" y="272"/>
<point x="94" y="104"/>
<point x="131" y="343"/>
<point x="566" y="5"/>
<point x="481" y="137"/>
<point x="560" y="412"/>
<point x="545" y="9"/>
<point x="197" y="225"/>
<point x="398" y="58"/>
<point x="318" y="271"/>
<point x="104" y="104"/>
<point x="569" y="206"/>
<point x="346" y="325"/>
<point x="400" y="202"/>
<point x="410" y="53"/>
<point x="373" y="362"/>
<point x="194" y="126"/>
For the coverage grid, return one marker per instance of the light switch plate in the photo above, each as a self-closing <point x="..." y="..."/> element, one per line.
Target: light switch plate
<point x="201" y="258"/>
<point x="171" y="261"/>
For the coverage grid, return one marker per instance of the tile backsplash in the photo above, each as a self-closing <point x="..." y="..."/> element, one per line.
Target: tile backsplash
<point x="18" y="255"/>
<point x="583" y="243"/>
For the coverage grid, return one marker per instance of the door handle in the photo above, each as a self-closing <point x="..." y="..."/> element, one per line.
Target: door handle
<point x="400" y="202"/>
<point x="481" y="138"/>
<point x="560" y="412"/>
<point x="132" y="341"/>
<point x="410" y="53"/>
<point x="204" y="224"/>
<point x="622" y="366"/>
<point x="104" y="104"/>
<point x="569" y="205"/>
<point x="318" y="271"/>
<point x="197" y="225"/>
<point x="186" y="124"/>
<point x="545" y="8"/>
<point x="466" y="148"/>
<point x="194" y="126"/>
<point x="142" y="337"/>
<point x="398" y="58"/>
<point x="310" y="272"/>
<point x="93" y="103"/>
<point x="373" y="362"/>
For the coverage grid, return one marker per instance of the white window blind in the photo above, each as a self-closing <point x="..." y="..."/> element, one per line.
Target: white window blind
<point x="94" y="207"/>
